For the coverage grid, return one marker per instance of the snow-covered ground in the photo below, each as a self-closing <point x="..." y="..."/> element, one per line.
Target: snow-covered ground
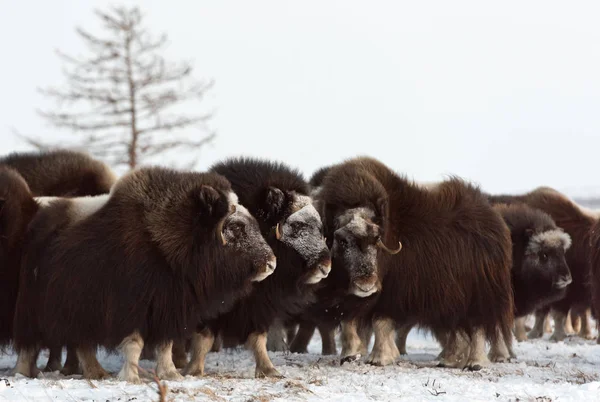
<point x="544" y="371"/>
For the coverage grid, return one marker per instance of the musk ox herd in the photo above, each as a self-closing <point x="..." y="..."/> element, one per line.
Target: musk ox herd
<point x="171" y="265"/>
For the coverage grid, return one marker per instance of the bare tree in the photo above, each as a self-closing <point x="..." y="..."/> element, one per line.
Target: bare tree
<point x="123" y="98"/>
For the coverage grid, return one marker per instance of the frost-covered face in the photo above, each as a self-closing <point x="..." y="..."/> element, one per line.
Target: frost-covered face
<point x="356" y="243"/>
<point x="241" y="232"/>
<point x="303" y="232"/>
<point x="545" y="258"/>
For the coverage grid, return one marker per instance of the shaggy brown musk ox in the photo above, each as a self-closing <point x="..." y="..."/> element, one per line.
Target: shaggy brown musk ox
<point x="540" y="274"/>
<point x="577" y="223"/>
<point x="24" y="176"/>
<point x="456" y="256"/>
<point x="278" y="196"/>
<point x="165" y="250"/>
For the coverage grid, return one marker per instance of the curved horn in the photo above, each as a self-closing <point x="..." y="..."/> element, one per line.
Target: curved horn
<point x="388" y="250"/>
<point x="232" y="209"/>
<point x="220" y="230"/>
<point x="277" y="232"/>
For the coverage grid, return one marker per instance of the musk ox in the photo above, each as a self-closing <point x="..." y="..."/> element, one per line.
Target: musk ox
<point x="452" y="256"/>
<point x="143" y="266"/>
<point x="24" y="177"/>
<point x="540" y="274"/>
<point x="577" y="223"/>
<point x="278" y="197"/>
<point x="595" y="270"/>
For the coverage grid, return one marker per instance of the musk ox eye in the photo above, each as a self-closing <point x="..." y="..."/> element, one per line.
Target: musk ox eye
<point x="543" y="257"/>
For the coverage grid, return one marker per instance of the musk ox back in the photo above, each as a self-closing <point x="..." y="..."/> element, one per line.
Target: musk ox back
<point x="577" y="223"/>
<point x="455" y="254"/>
<point x="165" y="250"/>
<point x="61" y="173"/>
<point x="278" y="197"/>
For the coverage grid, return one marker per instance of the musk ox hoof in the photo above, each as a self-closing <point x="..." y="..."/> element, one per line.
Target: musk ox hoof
<point x="475" y="367"/>
<point x="557" y="337"/>
<point x="194" y="370"/>
<point x="172" y="375"/>
<point x="299" y="350"/>
<point x="268" y="372"/>
<point x="534" y="334"/>
<point x="99" y="374"/>
<point x="587" y="335"/>
<point x="520" y="337"/>
<point x="350" y="358"/>
<point x="71" y="369"/>
<point x="53" y="366"/>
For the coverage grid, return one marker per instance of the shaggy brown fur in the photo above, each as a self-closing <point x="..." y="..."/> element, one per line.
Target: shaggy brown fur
<point x="61" y="173"/>
<point x="145" y="267"/>
<point x="24" y="176"/>
<point x="456" y="255"/>
<point x="595" y="270"/>
<point x="577" y="223"/>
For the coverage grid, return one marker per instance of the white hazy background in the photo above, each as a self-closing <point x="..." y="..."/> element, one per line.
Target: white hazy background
<point x="506" y="94"/>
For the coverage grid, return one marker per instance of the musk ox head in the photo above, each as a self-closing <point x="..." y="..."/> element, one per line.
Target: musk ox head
<point x="240" y="232"/>
<point x="544" y="260"/>
<point x="356" y="244"/>
<point x="299" y="228"/>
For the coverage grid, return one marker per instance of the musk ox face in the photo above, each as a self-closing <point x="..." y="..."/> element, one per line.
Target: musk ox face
<point x="303" y="232"/>
<point x="300" y="229"/>
<point x="357" y="240"/>
<point x="545" y="258"/>
<point x="240" y="231"/>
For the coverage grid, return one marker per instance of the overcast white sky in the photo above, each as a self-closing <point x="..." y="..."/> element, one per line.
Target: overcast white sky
<point x="504" y="93"/>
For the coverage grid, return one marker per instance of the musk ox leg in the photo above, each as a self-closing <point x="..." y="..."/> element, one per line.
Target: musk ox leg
<point x="71" y="366"/>
<point x="165" y="368"/>
<point x="202" y="342"/>
<point x="520" y="331"/>
<point x="351" y="344"/>
<point x="328" y="346"/>
<point x="500" y="350"/>
<point x="303" y="337"/>
<point x="401" y="335"/>
<point x="290" y="332"/>
<point x="217" y="344"/>
<point x="257" y="342"/>
<point x="27" y="363"/>
<point x="92" y="370"/>
<point x="131" y="348"/>
<point x="586" y="328"/>
<point x="385" y="351"/>
<point x="571" y="316"/>
<point x="179" y="354"/>
<point x="54" y="360"/>
<point x="276" y="337"/>
<point x="538" y="327"/>
<point x="559" y="326"/>
<point x="365" y="332"/>
<point x="477" y="357"/>
<point x="547" y="324"/>
<point x="455" y="349"/>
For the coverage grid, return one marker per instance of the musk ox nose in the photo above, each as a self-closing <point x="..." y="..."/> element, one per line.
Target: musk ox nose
<point x="325" y="268"/>
<point x="320" y="272"/>
<point x="365" y="287"/>
<point x="563" y="282"/>
<point x="266" y="270"/>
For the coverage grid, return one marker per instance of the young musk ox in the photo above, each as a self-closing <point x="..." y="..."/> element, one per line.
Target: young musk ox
<point x="540" y="274"/>
<point x="23" y="177"/>
<point x="278" y="197"/>
<point x="456" y="256"/>
<point x="165" y="250"/>
<point x="577" y="223"/>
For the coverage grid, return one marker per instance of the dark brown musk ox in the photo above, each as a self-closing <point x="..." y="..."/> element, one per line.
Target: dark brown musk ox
<point x="577" y="222"/>
<point x="165" y="250"/>
<point x="278" y="196"/>
<point x="455" y="256"/>
<point x="595" y="270"/>
<point x="540" y="274"/>
<point x="24" y="178"/>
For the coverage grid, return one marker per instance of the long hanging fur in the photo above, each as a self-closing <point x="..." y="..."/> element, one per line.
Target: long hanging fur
<point x="149" y="260"/>
<point x="456" y="255"/>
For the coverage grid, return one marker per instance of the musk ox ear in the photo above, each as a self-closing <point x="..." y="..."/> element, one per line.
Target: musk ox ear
<point x="211" y="205"/>
<point x="382" y="209"/>
<point x="273" y="203"/>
